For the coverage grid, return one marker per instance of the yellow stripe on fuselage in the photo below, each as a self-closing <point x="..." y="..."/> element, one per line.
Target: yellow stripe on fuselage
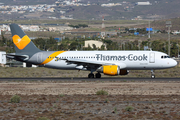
<point x="51" y="57"/>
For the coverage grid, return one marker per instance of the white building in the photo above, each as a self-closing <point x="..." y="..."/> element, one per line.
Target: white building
<point x="34" y="28"/>
<point x="97" y="43"/>
<point x="2" y="57"/>
<point x="5" y="28"/>
<point x="30" y="28"/>
<point x="143" y="3"/>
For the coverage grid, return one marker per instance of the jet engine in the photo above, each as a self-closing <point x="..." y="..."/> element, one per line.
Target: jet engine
<point x="124" y="72"/>
<point x="112" y="70"/>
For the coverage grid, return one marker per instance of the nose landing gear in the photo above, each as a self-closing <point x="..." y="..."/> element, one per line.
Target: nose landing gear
<point x="152" y="74"/>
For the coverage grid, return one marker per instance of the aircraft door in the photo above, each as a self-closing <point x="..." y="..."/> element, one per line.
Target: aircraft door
<point x="39" y="57"/>
<point x="152" y="58"/>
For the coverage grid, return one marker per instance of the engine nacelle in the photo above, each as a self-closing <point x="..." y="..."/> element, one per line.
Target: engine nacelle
<point x="124" y="72"/>
<point x="112" y="70"/>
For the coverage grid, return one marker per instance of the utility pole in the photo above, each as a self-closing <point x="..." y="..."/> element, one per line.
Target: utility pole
<point x="103" y="33"/>
<point x="149" y="34"/>
<point x="178" y="50"/>
<point x="169" y="25"/>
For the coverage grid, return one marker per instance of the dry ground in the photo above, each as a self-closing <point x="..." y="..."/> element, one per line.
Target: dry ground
<point x="47" y="72"/>
<point x="57" y="100"/>
<point x="86" y="88"/>
<point x="78" y="100"/>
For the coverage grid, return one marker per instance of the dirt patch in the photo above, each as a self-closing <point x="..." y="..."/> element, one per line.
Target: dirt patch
<point x="85" y="88"/>
<point x="78" y="100"/>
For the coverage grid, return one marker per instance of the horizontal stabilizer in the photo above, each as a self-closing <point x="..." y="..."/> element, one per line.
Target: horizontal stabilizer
<point x="13" y="56"/>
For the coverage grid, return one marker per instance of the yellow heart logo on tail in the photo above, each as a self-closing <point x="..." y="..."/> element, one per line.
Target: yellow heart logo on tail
<point x="21" y="43"/>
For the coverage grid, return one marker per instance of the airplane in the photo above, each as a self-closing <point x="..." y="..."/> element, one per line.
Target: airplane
<point x="108" y="62"/>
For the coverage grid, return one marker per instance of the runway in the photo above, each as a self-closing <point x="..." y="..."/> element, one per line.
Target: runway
<point x="109" y="79"/>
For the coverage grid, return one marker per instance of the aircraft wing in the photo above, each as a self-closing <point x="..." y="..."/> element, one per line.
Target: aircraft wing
<point x="85" y="64"/>
<point x="80" y="61"/>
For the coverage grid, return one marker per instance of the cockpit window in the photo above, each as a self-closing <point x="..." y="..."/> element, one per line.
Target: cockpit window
<point x="164" y="57"/>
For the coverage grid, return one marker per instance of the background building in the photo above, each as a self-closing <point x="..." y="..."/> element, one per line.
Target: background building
<point x="90" y="43"/>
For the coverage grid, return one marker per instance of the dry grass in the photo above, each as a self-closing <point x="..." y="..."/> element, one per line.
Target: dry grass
<point x="46" y="72"/>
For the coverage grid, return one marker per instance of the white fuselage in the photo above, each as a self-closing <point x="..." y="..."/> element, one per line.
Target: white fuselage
<point x="129" y="60"/>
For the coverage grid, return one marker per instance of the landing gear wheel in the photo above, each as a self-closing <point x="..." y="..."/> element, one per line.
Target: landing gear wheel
<point x="152" y="76"/>
<point x="91" y="75"/>
<point x="98" y="75"/>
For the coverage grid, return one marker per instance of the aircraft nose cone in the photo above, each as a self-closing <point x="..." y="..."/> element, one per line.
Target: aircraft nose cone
<point x="174" y="63"/>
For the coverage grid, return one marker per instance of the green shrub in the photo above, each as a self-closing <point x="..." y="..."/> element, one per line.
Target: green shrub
<point x="15" y="99"/>
<point x="107" y="101"/>
<point x="129" y="108"/>
<point x="42" y="118"/>
<point x="115" y="110"/>
<point x="101" y="92"/>
<point x="61" y="95"/>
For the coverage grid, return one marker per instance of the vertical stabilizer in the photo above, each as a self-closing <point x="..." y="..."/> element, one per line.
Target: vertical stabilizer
<point x="22" y="43"/>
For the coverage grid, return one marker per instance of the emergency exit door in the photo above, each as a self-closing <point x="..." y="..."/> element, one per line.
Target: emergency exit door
<point x="152" y="57"/>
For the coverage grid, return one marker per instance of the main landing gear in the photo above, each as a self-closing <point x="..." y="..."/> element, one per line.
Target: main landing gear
<point x="97" y="75"/>
<point x="152" y="74"/>
<point x="91" y="75"/>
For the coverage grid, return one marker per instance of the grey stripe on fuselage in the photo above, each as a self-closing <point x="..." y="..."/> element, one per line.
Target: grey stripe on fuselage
<point x="45" y="55"/>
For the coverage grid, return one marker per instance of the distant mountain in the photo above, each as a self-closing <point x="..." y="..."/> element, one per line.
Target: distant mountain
<point x="27" y="2"/>
<point x="160" y="9"/>
<point x="114" y="9"/>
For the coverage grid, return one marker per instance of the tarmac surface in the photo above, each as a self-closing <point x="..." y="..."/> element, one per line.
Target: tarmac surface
<point x="90" y="79"/>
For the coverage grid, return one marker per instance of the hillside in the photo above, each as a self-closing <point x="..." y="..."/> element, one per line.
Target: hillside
<point x="27" y="2"/>
<point x="93" y="10"/>
<point x="161" y="24"/>
<point x="162" y="9"/>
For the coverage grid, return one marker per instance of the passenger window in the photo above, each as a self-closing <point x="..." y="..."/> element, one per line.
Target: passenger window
<point x="161" y="56"/>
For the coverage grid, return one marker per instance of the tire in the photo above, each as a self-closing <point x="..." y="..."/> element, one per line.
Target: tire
<point x="98" y="75"/>
<point x="152" y="76"/>
<point x="91" y="75"/>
